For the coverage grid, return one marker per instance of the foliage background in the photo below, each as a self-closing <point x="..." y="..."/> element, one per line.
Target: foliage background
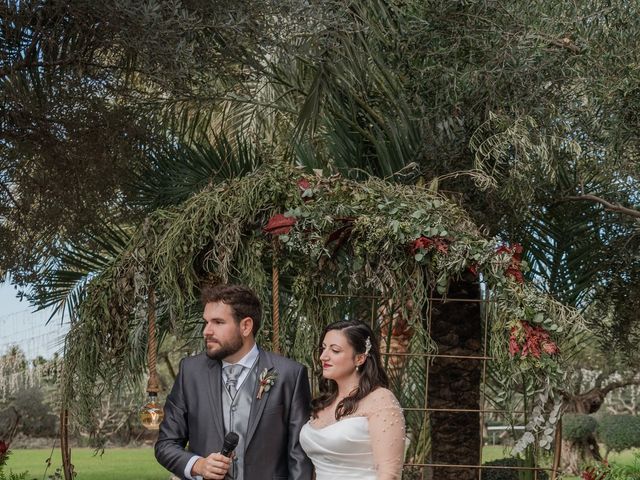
<point x="524" y="114"/>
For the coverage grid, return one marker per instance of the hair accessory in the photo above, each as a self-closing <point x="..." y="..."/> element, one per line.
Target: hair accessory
<point x="367" y="346"/>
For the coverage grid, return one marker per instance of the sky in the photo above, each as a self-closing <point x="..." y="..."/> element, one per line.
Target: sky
<point x="20" y="325"/>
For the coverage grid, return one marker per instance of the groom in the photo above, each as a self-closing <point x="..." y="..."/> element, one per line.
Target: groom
<point x="237" y="387"/>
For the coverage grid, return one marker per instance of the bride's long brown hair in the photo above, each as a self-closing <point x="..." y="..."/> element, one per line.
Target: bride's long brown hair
<point x="372" y="375"/>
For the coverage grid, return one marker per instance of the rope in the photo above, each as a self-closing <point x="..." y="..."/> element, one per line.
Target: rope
<point x="275" y="280"/>
<point x="152" y="346"/>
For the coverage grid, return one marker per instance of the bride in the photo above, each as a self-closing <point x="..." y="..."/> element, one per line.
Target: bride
<point x="357" y="427"/>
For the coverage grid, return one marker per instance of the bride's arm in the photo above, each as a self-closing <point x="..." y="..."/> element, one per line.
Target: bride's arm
<point x="387" y="431"/>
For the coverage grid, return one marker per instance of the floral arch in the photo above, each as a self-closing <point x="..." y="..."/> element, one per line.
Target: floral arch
<point x="317" y="248"/>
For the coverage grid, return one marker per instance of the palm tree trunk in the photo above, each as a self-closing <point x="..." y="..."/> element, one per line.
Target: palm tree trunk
<point x="454" y="383"/>
<point x="395" y="336"/>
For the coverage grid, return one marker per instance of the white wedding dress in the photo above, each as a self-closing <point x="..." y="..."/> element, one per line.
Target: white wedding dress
<point x="368" y="445"/>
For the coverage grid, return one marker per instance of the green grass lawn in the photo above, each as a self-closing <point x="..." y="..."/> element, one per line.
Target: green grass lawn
<point x="140" y="464"/>
<point x="494" y="452"/>
<point x="116" y="463"/>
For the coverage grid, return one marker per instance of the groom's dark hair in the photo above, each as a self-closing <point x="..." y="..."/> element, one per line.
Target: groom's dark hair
<point x="242" y="300"/>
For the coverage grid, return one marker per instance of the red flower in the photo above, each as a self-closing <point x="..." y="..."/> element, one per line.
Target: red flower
<point x="550" y="348"/>
<point x="592" y="474"/>
<point x="304" y="184"/>
<point x="528" y="340"/>
<point x="426" y="243"/>
<point x="531" y="346"/>
<point x="279" y="224"/>
<point x="515" y="273"/>
<point x="473" y="268"/>
<point x="588" y="475"/>
<point x="423" y="242"/>
<point x="517" y="251"/>
<point x="513" y="270"/>
<point x="305" y="189"/>
<point x="442" y="246"/>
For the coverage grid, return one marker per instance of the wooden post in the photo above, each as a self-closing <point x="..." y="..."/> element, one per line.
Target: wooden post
<point x="67" y="467"/>
<point x="557" y="453"/>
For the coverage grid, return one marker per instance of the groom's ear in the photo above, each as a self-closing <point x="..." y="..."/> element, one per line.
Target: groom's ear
<point x="246" y="326"/>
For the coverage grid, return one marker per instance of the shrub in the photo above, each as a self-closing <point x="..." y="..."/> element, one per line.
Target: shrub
<point x="619" y="432"/>
<point x="576" y="427"/>
<point x="37" y="418"/>
<point x="604" y="471"/>
<point x="502" y="474"/>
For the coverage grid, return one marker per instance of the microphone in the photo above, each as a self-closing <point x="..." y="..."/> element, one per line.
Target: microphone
<point x="230" y="442"/>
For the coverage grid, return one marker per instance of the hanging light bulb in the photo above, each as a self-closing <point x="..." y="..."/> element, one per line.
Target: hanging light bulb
<point x="151" y="413"/>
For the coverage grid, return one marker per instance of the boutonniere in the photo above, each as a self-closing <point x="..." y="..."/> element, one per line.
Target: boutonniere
<point x="266" y="381"/>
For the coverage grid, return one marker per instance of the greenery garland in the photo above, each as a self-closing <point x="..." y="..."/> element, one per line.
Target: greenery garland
<point x="330" y="236"/>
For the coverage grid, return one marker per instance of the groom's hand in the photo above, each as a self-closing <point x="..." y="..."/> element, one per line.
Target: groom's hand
<point x="214" y="467"/>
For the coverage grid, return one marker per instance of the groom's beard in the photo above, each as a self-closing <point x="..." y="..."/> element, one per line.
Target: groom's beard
<point x="222" y="350"/>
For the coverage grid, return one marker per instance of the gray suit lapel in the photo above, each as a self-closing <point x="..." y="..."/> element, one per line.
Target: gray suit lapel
<point x="214" y="378"/>
<point x="257" y="405"/>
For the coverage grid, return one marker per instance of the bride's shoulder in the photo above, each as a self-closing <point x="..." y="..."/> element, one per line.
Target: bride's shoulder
<point x="381" y="397"/>
<point x="381" y="393"/>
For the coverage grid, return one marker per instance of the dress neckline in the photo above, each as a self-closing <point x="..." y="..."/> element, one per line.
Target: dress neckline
<point x="334" y="423"/>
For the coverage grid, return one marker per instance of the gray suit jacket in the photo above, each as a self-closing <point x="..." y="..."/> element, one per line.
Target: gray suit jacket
<point x="193" y="416"/>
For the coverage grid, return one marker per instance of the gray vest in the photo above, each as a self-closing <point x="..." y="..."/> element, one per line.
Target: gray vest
<point x="236" y="418"/>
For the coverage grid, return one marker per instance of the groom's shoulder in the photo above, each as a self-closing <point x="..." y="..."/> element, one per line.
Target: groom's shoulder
<point x="282" y="362"/>
<point x="194" y="361"/>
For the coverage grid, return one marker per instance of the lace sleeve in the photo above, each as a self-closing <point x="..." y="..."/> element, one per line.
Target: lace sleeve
<point x="387" y="431"/>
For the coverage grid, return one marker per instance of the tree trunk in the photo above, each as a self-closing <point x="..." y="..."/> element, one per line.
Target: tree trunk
<point x="65" y="449"/>
<point x="454" y="383"/>
<point x="395" y="336"/>
<point x="576" y="454"/>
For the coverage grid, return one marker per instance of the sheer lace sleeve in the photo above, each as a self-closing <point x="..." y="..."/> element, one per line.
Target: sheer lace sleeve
<point x="387" y="431"/>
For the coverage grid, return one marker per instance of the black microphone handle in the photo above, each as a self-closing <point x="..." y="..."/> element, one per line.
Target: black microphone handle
<point x="230" y="443"/>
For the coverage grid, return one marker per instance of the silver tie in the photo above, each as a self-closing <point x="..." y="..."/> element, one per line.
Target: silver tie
<point x="232" y="372"/>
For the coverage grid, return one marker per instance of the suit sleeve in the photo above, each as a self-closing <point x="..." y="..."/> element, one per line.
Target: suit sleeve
<point x="174" y="430"/>
<point x="300" y="467"/>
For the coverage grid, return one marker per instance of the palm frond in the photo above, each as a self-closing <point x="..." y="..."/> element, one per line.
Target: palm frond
<point x="63" y="283"/>
<point x="182" y="170"/>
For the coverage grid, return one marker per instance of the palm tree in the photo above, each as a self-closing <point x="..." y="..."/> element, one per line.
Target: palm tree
<point x="408" y="92"/>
